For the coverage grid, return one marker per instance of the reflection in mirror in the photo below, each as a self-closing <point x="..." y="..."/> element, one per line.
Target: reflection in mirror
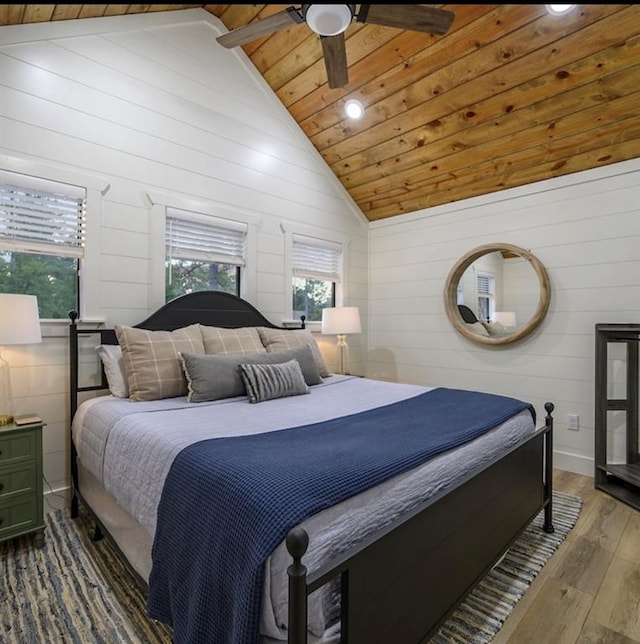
<point x="501" y="288"/>
<point x="496" y="294"/>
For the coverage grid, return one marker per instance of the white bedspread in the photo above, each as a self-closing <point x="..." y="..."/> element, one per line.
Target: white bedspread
<point x="130" y="446"/>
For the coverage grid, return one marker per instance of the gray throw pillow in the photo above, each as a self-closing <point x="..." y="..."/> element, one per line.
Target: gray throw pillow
<point x="269" y="381"/>
<point x="279" y="339"/>
<point x="217" y="376"/>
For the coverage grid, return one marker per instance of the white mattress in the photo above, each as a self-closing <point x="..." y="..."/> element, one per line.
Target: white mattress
<point x="129" y="448"/>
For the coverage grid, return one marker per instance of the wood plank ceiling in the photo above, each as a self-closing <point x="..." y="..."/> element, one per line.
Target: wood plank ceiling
<point x="509" y="96"/>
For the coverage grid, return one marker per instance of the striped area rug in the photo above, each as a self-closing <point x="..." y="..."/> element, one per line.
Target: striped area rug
<point x="72" y="590"/>
<point x="77" y="591"/>
<point x="485" y="609"/>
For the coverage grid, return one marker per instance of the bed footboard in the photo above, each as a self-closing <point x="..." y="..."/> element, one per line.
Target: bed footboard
<point x="401" y="584"/>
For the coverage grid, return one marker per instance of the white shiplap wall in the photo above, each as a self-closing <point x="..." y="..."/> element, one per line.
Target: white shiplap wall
<point x="584" y="228"/>
<point x="149" y="104"/>
<point x="146" y="105"/>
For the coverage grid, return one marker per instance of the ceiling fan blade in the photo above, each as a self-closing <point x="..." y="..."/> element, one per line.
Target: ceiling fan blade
<point x="269" y="25"/>
<point x="415" y="17"/>
<point x="335" y="60"/>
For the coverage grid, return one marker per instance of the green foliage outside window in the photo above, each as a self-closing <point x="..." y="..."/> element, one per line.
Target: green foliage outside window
<point x="53" y="280"/>
<point x="311" y="296"/>
<point x="187" y="276"/>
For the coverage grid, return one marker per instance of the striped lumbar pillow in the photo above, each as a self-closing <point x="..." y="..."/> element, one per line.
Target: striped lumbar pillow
<point x="268" y="381"/>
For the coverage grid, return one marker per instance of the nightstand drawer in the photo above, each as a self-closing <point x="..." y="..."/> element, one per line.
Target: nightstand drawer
<point x="17" y="479"/>
<point x="20" y="515"/>
<point x="21" y="502"/>
<point x="18" y="446"/>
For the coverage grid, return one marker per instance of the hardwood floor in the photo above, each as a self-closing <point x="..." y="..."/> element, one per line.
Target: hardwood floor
<point x="589" y="591"/>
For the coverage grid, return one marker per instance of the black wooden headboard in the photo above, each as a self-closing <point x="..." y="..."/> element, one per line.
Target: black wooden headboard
<point x="467" y="314"/>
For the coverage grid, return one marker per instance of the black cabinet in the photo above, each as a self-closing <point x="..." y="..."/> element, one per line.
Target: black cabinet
<point x="617" y="461"/>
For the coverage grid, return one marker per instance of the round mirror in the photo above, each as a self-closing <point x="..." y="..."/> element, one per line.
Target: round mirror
<point x="496" y="294"/>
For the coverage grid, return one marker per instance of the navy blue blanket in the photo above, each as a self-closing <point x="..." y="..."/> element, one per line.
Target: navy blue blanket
<point x="228" y="502"/>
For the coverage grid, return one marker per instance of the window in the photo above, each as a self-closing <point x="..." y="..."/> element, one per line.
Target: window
<point x="486" y="287"/>
<point x="42" y="229"/>
<point x="316" y="272"/>
<point x="202" y="253"/>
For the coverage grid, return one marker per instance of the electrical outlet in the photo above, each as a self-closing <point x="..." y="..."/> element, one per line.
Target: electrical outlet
<point x="573" y="422"/>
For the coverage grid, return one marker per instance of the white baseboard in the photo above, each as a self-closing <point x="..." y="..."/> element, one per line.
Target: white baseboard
<point x="59" y="499"/>
<point x="573" y="463"/>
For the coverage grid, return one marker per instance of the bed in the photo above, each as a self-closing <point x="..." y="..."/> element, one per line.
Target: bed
<point x="348" y="548"/>
<point x="486" y="329"/>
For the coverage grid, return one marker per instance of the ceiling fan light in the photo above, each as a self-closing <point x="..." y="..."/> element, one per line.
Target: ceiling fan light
<point x="328" y="19"/>
<point x="354" y="108"/>
<point x="559" y="9"/>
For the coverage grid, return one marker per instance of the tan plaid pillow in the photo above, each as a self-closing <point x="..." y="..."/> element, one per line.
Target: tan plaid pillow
<point x="152" y="360"/>
<point x="277" y="339"/>
<point x="220" y="340"/>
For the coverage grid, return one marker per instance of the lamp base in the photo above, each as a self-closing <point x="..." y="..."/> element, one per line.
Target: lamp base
<point x="6" y="399"/>
<point x="343" y="351"/>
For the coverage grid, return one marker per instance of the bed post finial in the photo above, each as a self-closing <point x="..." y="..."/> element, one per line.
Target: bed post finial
<point x="297" y="544"/>
<point x="73" y="316"/>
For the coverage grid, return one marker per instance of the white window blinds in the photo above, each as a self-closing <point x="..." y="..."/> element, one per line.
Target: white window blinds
<point x="485" y="285"/>
<point x="316" y="259"/>
<point x="201" y="238"/>
<point x="41" y="216"/>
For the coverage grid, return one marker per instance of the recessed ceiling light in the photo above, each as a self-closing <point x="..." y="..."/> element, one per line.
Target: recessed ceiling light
<point x="559" y="9"/>
<point x="354" y="108"/>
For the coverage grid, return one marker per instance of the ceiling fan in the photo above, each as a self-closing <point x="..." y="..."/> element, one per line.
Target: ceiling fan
<point x="330" y="21"/>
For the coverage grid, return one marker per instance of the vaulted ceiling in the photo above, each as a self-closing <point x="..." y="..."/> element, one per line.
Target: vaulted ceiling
<point x="508" y="96"/>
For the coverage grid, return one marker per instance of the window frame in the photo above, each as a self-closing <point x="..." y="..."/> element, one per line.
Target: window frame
<point x="489" y="295"/>
<point x="89" y="265"/>
<point x="159" y="204"/>
<point x="204" y="222"/>
<point x="290" y="231"/>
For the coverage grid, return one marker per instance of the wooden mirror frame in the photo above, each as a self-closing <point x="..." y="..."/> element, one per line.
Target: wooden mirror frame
<point x="451" y="294"/>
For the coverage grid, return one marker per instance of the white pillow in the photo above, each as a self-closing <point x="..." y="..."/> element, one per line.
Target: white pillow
<point x="479" y="328"/>
<point x="495" y="329"/>
<point x="111" y="356"/>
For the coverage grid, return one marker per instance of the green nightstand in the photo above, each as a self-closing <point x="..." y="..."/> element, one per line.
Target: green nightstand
<point x="21" y="502"/>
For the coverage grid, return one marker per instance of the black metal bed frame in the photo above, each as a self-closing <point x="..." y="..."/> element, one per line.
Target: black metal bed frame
<point x="400" y="584"/>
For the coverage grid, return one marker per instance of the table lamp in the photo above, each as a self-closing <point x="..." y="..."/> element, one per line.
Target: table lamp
<point x="341" y="321"/>
<point x="19" y="324"/>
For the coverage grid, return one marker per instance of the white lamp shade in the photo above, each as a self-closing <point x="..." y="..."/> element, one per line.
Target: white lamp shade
<point x="341" y="320"/>
<point x="506" y="318"/>
<point x="19" y="321"/>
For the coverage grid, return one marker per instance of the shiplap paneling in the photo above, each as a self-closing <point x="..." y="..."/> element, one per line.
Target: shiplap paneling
<point x="150" y="105"/>
<point x="162" y="108"/>
<point x="584" y="228"/>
